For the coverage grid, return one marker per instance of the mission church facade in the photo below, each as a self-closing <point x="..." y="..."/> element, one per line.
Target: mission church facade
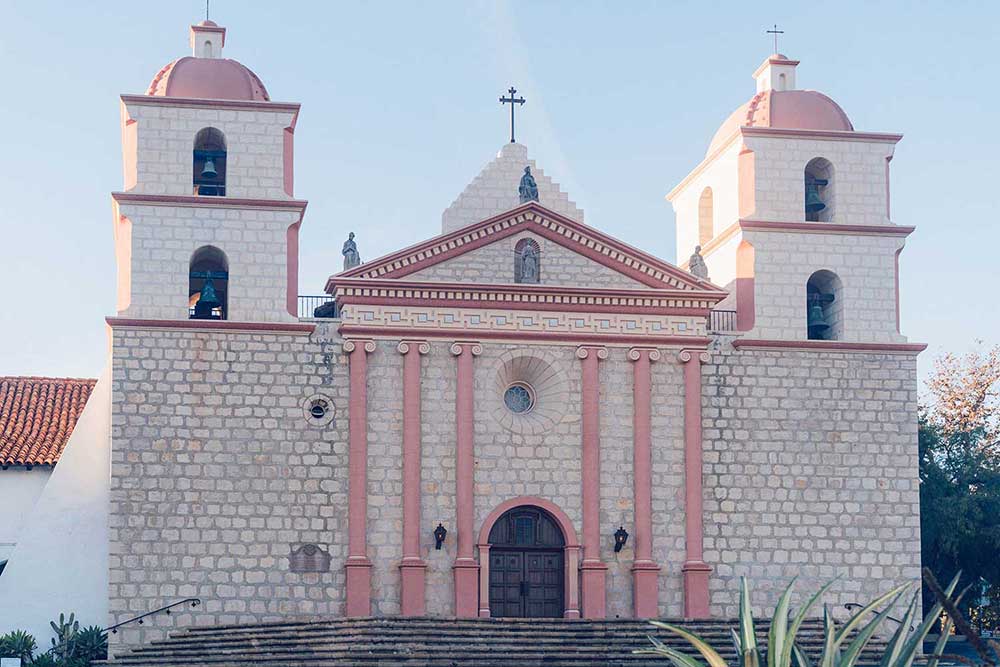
<point x="521" y="416"/>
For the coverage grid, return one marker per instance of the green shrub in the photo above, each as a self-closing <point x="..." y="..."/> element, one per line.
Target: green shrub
<point x="17" y="644"/>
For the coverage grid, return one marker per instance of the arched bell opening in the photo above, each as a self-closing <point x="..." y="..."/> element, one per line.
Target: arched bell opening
<point x="820" y="191"/>
<point x="824" y="306"/>
<point x="208" y="284"/>
<point x="528" y="562"/>
<point x="209" y="174"/>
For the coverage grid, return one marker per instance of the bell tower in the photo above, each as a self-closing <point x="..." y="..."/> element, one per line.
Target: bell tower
<point x="206" y="225"/>
<point x="790" y="208"/>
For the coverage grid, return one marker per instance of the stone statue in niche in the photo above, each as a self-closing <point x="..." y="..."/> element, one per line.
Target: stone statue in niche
<point x="527" y="269"/>
<point x="528" y="188"/>
<point x="309" y="558"/>
<point x="350" y="252"/>
<point x="696" y="265"/>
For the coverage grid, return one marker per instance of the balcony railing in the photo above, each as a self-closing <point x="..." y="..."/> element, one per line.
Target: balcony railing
<point x="309" y="303"/>
<point x="722" y="321"/>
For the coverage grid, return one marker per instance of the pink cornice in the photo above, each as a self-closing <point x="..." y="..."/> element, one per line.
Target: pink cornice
<point x="774" y="61"/>
<point x="523" y="305"/>
<point x="397" y="333"/>
<point x="824" y="228"/>
<point x="211" y="325"/>
<point x="528" y="217"/>
<point x="828" y="345"/>
<point x="195" y="201"/>
<point x="834" y="135"/>
<point x="243" y="105"/>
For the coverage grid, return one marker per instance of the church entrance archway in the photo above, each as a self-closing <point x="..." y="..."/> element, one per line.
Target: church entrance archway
<point x="528" y="562"/>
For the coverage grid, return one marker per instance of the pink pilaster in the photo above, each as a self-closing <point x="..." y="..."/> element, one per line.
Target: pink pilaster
<point x="645" y="571"/>
<point x="412" y="568"/>
<point x="695" y="569"/>
<point x="594" y="571"/>
<point x="466" y="568"/>
<point x="358" y="566"/>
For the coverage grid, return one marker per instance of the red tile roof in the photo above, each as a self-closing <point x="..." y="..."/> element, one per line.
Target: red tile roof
<point x="37" y="416"/>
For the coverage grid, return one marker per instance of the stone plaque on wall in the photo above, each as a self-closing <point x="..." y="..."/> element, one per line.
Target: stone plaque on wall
<point x="309" y="558"/>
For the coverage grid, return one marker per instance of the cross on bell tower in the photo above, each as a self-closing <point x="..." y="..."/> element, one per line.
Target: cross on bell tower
<point x="775" y="32"/>
<point x="512" y="101"/>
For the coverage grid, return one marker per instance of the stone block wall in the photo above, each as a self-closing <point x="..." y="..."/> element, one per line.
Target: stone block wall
<point x="865" y="264"/>
<point x="810" y="471"/>
<point x="162" y="240"/>
<point x="495" y="190"/>
<point x="217" y="473"/>
<point x="494" y="263"/>
<point x="165" y="135"/>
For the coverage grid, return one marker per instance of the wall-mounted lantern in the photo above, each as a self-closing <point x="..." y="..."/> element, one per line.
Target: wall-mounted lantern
<point x="439" y="534"/>
<point x="621" y="537"/>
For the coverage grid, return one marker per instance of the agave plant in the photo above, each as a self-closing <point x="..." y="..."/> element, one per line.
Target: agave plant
<point x="842" y="646"/>
<point x="17" y="644"/>
<point x="92" y="643"/>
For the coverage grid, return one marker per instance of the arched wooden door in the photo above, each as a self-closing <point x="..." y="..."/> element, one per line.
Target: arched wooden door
<point x="526" y="565"/>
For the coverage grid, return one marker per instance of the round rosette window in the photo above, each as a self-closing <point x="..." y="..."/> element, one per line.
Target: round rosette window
<point x="531" y="392"/>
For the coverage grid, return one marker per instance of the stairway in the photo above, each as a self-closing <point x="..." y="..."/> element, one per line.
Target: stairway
<point x="436" y="642"/>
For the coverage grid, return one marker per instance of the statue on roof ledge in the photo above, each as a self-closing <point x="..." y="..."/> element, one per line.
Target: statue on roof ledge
<point x="528" y="188"/>
<point x="350" y="252"/>
<point x="696" y="265"/>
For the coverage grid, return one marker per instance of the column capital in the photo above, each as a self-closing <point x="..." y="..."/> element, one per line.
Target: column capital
<point x="475" y="348"/>
<point x="687" y="355"/>
<point x="366" y="344"/>
<point x="636" y="353"/>
<point x="421" y="346"/>
<point x="599" y="351"/>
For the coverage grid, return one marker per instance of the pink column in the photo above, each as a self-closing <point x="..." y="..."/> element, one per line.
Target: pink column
<point x="412" y="567"/>
<point x="359" y="576"/>
<point x="645" y="570"/>
<point x="594" y="572"/>
<point x="465" y="567"/>
<point x="695" y="569"/>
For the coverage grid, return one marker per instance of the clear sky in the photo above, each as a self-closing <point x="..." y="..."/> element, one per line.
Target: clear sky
<point x="400" y="111"/>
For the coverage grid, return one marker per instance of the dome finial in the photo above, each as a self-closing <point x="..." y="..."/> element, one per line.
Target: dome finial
<point x="207" y="38"/>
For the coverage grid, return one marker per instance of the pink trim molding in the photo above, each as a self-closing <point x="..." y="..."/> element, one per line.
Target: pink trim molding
<point x="483" y="334"/>
<point x="571" y="552"/>
<point x="829" y="345"/>
<point x="466" y="569"/>
<point x="834" y="135"/>
<point x="746" y="308"/>
<point x="212" y="325"/>
<point x="412" y="567"/>
<point x="196" y="201"/>
<point x="359" y="576"/>
<point x="594" y="570"/>
<point x="645" y="571"/>
<point x="533" y="217"/>
<point x="824" y="228"/>
<point x="292" y="268"/>
<point x="244" y="105"/>
<point x="695" y="570"/>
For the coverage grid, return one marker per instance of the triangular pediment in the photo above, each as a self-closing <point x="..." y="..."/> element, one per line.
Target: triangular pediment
<point x="603" y="261"/>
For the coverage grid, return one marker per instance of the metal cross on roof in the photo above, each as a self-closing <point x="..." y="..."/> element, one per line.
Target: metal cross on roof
<point x="512" y="101"/>
<point x="775" y="32"/>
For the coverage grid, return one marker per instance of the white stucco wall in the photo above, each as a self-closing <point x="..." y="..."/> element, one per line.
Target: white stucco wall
<point x="60" y="563"/>
<point x="721" y="176"/>
<point x="19" y="491"/>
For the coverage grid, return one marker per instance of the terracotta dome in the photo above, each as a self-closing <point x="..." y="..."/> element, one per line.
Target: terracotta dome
<point x="208" y="78"/>
<point x="786" y="109"/>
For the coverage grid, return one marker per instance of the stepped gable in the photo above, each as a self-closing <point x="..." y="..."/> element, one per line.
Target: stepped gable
<point x="37" y="416"/>
<point x="427" y="642"/>
<point x="494" y="190"/>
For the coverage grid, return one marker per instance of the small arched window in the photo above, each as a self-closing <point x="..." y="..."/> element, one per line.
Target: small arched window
<point x="208" y="284"/>
<point x="706" y="217"/>
<point x="824" y="306"/>
<point x="210" y="163"/>
<point x="206" y="49"/>
<point x="781" y="82"/>
<point x="527" y="261"/>
<point x="820" y="199"/>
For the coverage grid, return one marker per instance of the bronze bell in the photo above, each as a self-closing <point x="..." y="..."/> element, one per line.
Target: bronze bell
<point x="208" y="301"/>
<point x="209" y="169"/>
<point x="813" y="203"/>
<point x="817" y="320"/>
